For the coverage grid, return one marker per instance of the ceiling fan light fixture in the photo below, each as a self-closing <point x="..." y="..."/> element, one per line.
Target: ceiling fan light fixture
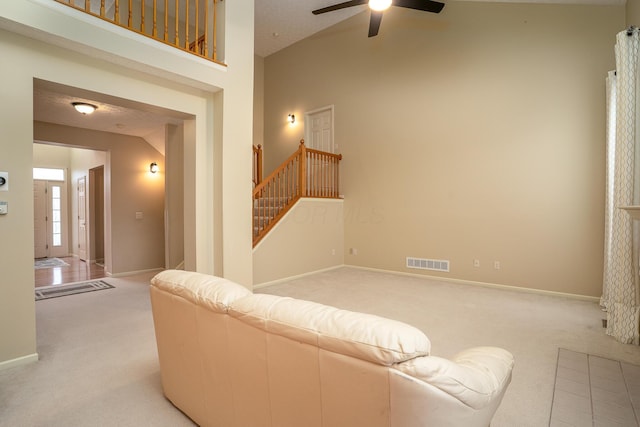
<point x="83" y="107"/>
<point x="379" y="5"/>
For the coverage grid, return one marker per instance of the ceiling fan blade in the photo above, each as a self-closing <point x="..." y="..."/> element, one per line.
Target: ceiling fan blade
<point x="340" y="6"/>
<point x="374" y="23"/>
<point x="425" y="5"/>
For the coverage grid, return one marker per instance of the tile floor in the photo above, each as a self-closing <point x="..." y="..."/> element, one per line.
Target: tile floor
<point x="595" y="391"/>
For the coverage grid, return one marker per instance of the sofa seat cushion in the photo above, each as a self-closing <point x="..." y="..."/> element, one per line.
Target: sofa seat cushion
<point x="365" y="336"/>
<point x="212" y="292"/>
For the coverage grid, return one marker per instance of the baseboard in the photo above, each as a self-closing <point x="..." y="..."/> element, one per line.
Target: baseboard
<point x="484" y="284"/>
<point x="131" y="273"/>
<point x="287" y="279"/>
<point x="19" y="361"/>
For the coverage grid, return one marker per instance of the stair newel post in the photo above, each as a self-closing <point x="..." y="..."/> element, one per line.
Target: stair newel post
<point x="303" y="169"/>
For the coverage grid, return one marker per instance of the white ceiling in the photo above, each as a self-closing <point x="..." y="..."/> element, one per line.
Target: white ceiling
<point x="52" y="103"/>
<point x="278" y="24"/>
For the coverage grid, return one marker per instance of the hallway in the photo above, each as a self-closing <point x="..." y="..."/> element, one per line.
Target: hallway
<point x="76" y="271"/>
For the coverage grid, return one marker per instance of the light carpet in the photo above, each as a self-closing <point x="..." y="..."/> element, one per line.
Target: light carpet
<point x="98" y="361"/>
<point x="456" y="317"/>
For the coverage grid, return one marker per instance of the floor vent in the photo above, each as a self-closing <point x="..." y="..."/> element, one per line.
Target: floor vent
<point x="428" y="264"/>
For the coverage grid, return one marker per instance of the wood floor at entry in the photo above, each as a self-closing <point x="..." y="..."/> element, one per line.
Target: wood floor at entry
<point x="76" y="271"/>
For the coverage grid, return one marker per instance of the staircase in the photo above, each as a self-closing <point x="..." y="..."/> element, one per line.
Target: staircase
<point x="306" y="173"/>
<point x="266" y="209"/>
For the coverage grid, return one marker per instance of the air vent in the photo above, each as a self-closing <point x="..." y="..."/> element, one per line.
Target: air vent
<point x="428" y="264"/>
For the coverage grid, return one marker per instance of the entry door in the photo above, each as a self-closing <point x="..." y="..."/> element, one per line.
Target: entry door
<point x="319" y="129"/>
<point x="49" y="219"/>
<point x="319" y="136"/>
<point x="40" y="218"/>
<point x="82" y="218"/>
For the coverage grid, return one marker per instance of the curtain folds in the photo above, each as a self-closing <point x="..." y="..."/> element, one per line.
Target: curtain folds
<point x="620" y="281"/>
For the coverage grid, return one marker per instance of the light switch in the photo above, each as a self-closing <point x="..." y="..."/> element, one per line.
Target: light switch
<point x="4" y="208"/>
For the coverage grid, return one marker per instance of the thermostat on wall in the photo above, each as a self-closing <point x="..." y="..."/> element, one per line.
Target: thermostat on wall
<point x="4" y="181"/>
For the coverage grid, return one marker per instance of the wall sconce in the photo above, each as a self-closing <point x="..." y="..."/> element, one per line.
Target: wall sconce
<point x="291" y="118"/>
<point x="84" y="108"/>
<point x="153" y="167"/>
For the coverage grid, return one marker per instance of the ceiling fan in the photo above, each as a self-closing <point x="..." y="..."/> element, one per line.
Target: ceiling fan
<point x="379" y="6"/>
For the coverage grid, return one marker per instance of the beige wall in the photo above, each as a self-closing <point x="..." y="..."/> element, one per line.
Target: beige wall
<point x="51" y="42"/>
<point x="174" y="184"/>
<point x="309" y="238"/>
<point x="474" y="134"/>
<point x="633" y="13"/>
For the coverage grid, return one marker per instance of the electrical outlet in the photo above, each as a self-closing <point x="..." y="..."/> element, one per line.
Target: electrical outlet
<point x="496" y="265"/>
<point x="476" y="263"/>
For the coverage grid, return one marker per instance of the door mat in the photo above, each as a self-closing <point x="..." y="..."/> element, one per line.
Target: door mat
<point x="55" y="291"/>
<point x="49" y="263"/>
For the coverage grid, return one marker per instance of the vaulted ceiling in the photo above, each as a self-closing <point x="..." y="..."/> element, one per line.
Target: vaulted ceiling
<point x="278" y="24"/>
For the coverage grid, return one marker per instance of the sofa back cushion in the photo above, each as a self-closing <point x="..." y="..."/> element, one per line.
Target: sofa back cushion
<point x="365" y="336"/>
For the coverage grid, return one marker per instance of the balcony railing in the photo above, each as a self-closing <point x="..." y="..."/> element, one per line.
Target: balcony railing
<point x="193" y="26"/>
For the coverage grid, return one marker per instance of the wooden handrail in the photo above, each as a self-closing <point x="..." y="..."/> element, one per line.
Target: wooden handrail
<point x="197" y="40"/>
<point x="257" y="164"/>
<point x="306" y="173"/>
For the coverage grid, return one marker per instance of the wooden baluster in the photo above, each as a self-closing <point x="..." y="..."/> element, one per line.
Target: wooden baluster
<point x="303" y="169"/>
<point x="177" y="40"/>
<point x="130" y="19"/>
<point x="338" y="176"/>
<point x="311" y="167"/>
<point x="260" y="154"/>
<point x="155" y="19"/>
<point x="186" y="26"/>
<point x="142" y="16"/>
<point x="206" y="28"/>
<point x="102" y="8"/>
<point x="197" y="29"/>
<point x="334" y="167"/>
<point x="323" y="167"/>
<point x="215" y="30"/>
<point x="116" y="16"/>
<point x="166" y="20"/>
<point x="87" y="6"/>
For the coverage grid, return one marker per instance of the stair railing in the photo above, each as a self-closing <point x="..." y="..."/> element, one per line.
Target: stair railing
<point x="306" y="173"/>
<point x="189" y="25"/>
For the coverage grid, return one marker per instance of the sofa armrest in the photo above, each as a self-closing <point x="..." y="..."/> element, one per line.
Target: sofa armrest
<point x="215" y="293"/>
<point x="475" y="376"/>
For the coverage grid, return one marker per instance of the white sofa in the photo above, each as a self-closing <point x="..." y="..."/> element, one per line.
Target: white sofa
<point x="231" y="358"/>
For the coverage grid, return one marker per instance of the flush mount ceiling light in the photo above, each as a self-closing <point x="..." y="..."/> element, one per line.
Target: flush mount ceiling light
<point x="84" y="108"/>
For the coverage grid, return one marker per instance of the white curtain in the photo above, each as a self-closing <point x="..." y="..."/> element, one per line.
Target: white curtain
<point x="620" y="296"/>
